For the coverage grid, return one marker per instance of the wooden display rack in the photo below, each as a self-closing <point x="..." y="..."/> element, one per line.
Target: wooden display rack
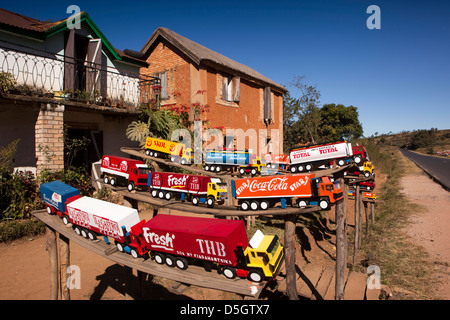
<point x="197" y="275"/>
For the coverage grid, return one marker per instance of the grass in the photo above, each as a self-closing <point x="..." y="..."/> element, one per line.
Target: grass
<point x="403" y="265"/>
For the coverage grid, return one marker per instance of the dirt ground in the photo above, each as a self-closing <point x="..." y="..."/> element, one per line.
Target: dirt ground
<point x="430" y="226"/>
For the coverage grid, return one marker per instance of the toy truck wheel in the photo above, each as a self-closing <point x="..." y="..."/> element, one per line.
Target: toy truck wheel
<point x="92" y="235"/>
<point x="161" y="194"/>
<point x="341" y="162"/>
<point x="120" y="247"/>
<point x="218" y="169"/>
<point x="308" y="167"/>
<point x="84" y="233"/>
<point x="357" y="159"/>
<point x="302" y="204"/>
<point x="324" y="204"/>
<point x="77" y="231"/>
<point x="366" y="174"/>
<point x="210" y="202"/>
<point x="113" y="182"/>
<point x="300" y="168"/>
<point x="206" y="167"/>
<point x="255" y="276"/>
<point x="169" y="195"/>
<point x="254" y="171"/>
<point x="106" y="180"/>
<point x="130" y="186"/>
<point x="183" y="161"/>
<point x="134" y="253"/>
<point x="49" y="210"/>
<point x="242" y="171"/>
<point x="65" y="220"/>
<point x="155" y="154"/>
<point x="264" y="205"/>
<point x="212" y="168"/>
<point x="159" y="258"/>
<point x="154" y="193"/>
<point x="181" y="263"/>
<point x="229" y="273"/>
<point x="170" y="261"/>
<point x="293" y="169"/>
<point x="245" y="205"/>
<point x="254" y="205"/>
<point x="195" y="201"/>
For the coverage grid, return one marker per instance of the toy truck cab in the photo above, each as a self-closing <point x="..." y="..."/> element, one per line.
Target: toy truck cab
<point x="118" y="170"/>
<point x="254" y="168"/>
<point x="264" y="256"/>
<point x="217" y="191"/>
<point x="368" y="169"/>
<point x="325" y="193"/>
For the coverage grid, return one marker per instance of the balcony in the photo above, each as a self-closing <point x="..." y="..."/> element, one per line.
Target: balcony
<point x="42" y="76"/>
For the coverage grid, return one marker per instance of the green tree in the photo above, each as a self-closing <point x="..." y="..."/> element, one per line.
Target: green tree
<point x="340" y="123"/>
<point x="301" y="116"/>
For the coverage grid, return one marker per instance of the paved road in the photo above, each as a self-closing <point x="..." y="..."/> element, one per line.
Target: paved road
<point x="438" y="168"/>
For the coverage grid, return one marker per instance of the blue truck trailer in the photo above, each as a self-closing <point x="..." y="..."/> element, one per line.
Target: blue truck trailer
<point x="230" y="159"/>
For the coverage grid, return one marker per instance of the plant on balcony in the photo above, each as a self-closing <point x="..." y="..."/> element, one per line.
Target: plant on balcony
<point x="7" y="81"/>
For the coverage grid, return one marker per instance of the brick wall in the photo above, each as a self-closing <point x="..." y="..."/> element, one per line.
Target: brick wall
<point x="49" y="137"/>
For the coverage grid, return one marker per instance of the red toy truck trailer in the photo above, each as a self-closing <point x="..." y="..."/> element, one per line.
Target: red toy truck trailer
<point x="177" y="240"/>
<point x="119" y="170"/>
<point x="276" y="161"/>
<point x="311" y="157"/>
<point x="166" y="185"/>
<point x="264" y="192"/>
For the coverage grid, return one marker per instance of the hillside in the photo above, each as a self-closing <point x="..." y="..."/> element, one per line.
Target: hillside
<point x="435" y="142"/>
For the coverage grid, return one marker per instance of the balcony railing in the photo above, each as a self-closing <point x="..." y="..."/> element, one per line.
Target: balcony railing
<point x="41" y="73"/>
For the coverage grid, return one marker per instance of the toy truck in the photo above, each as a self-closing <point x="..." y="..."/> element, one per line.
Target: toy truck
<point x="276" y="161"/>
<point x="362" y="152"/>
<point x="367" y="169"/>
<point x="198" y="189"/>
<point x="230" y="159"/>
<point x="220" y="244"/>
<point x="264" y="192"/>
<point x="177" y="152"/>
<point x="89" y="217"/>
<point x="311" y="157"/>
<point x="56" y="195"/>
<point x="124" y="171"/>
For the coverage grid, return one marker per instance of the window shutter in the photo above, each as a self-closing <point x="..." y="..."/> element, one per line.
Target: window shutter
<point x="93" y="62"/>
<point x="237" y="89"/>
<point x="69" y="61"/>
<point x="164" y="88"/>
<point x="267" y="106"/>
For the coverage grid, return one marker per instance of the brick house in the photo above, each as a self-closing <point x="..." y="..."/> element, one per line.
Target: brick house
<point x="65" y="77"/>
<point x="238" y="96"/>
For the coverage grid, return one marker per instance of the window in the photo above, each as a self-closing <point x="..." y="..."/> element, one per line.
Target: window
<point x="164" y="88"/>
<point x="267" y="106"/>
<point x="231" y="88"/>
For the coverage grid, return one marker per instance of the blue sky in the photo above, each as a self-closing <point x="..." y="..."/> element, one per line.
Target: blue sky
<point x="398" y="76"/>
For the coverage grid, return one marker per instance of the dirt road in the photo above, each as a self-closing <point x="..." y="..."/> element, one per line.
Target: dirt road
<point x="429" y="227"/>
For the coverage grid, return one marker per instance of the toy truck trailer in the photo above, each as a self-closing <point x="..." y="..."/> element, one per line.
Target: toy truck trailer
<point x="230" y="159"/>
<point x="92" y="217"/>
<point x="177" y="152"/>
<point x="312" y="157"/>
<point x="200" y="189"/>
<point x="223" y="244"/>
<point x="119" y="170"/>
<point x="276" y="161"/>
<point x="264" y="192"/>
<point x="56" y="195"/>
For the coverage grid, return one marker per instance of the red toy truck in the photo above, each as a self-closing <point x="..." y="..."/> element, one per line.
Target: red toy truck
<point x="118" y="170"/>
<point x="264" y="192"/>
<point x="166" y="185"/>
<point x="177" y="240"/>
<point x="276" y="161"/>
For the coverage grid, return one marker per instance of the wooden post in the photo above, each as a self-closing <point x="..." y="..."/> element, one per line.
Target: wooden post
<point x="366" y="211"/>
<point x="357" y="224"/>
<point x="341" y="244"/>
<point x="289" y="247"/>
<point x="360" y="220"/>
<point x="53" y="261"/>
<point x="64" y="256"/>
<point x="372" y="211"/>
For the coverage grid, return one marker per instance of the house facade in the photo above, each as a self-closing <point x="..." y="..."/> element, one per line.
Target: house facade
<point x="65" y="82"/>
<point x="247" y="106"/>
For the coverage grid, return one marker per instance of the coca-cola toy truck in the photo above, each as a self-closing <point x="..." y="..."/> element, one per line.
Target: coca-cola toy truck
<point x="264" y="192"/>
<point x="56" y="195"/>
<point x="222" y="244"/>
<point x="198" y="189"/>
<point x="123" y="171"/>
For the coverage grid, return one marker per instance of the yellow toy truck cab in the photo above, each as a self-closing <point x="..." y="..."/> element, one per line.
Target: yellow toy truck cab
<point x="217" y="192"/>
<point x="368" y="169"/>
<point x="254" y="167"/>
<point x="264" y="256"/>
